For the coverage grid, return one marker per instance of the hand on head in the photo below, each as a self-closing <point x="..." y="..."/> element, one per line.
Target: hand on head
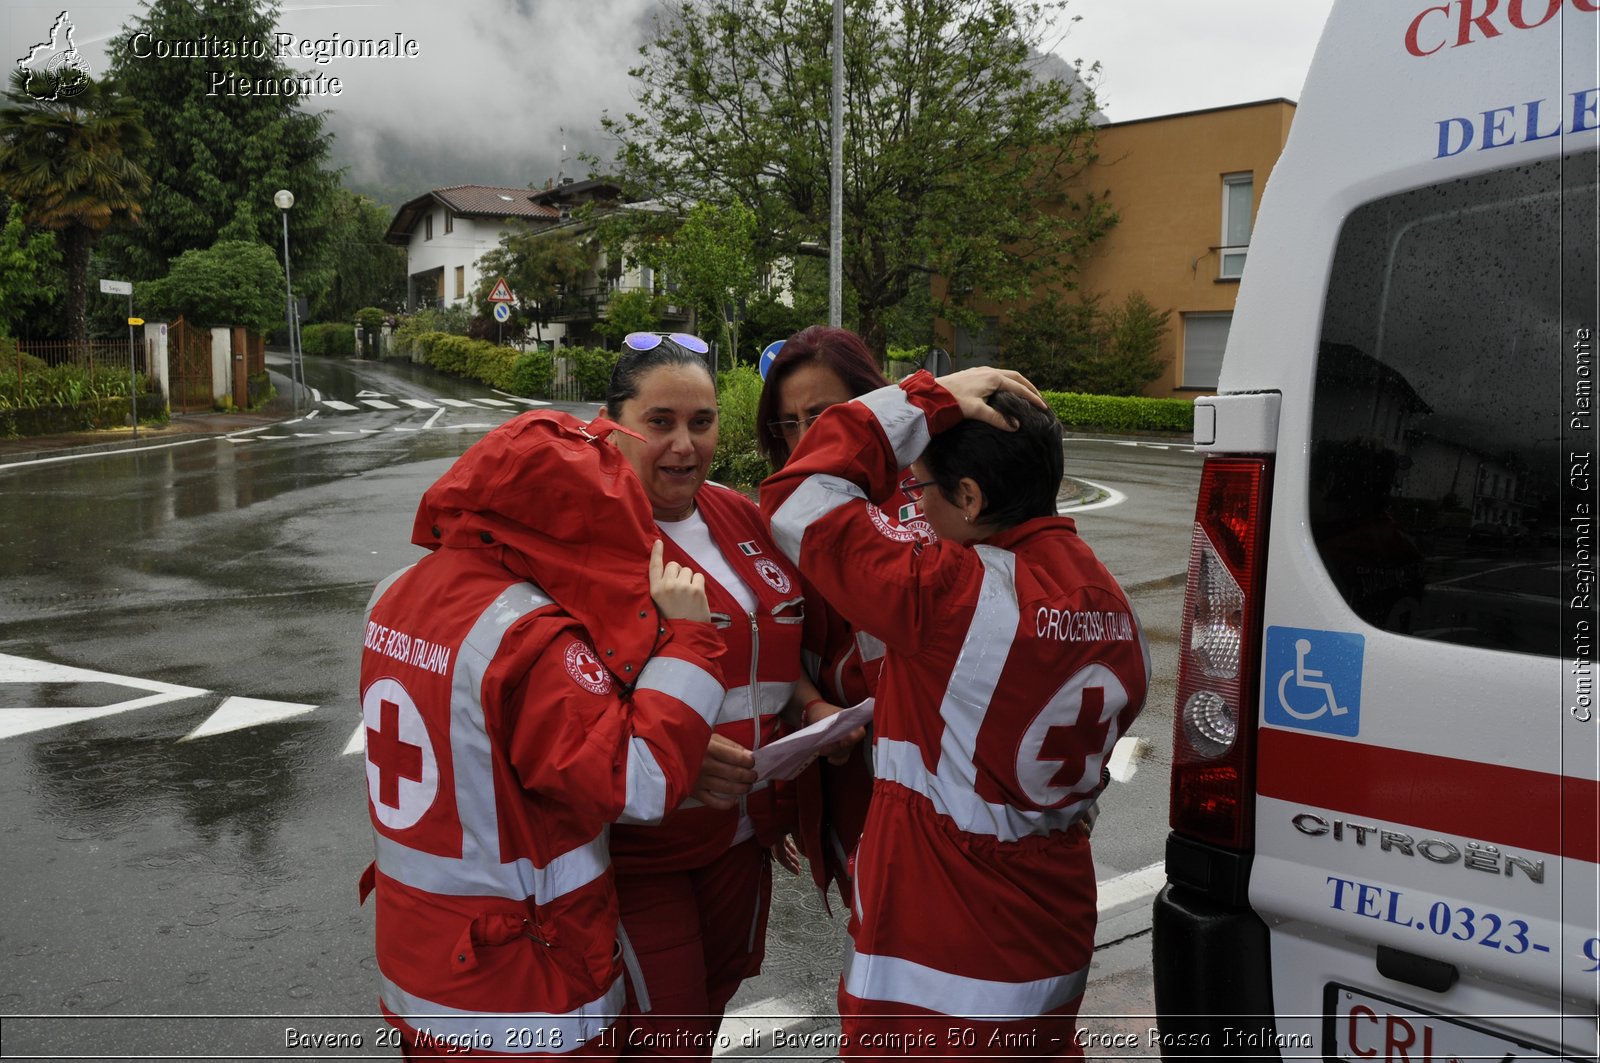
<point x="972" y="388"/>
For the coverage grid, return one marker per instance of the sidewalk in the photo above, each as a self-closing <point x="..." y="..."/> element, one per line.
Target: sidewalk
<point x="180" y="427"/>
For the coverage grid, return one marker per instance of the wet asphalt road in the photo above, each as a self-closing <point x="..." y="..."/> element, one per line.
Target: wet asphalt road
<point x="211" y="880"/>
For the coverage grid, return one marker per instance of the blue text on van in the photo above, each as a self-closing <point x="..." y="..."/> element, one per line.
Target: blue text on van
<point x="1501" y="127"/>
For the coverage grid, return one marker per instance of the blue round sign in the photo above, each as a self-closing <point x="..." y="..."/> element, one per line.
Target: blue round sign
<point x="767" y="355"/>
<point x="502" y="312"/>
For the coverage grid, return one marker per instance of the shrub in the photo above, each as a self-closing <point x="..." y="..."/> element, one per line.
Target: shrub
<point x="737" y="462"/>
<point x="452" y="319"/>
<point x="1121" y="413"/>
<point x="532" y="374"/>
<point x="592" y="367"/>
<point x="332" y="339"/>
<point x="1079" y="347"/>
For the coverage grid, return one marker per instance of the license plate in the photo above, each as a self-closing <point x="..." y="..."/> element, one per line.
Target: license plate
<point x="1369" y="1029"/>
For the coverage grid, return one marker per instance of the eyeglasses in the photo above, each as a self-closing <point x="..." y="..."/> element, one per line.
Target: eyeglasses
<point x="914" y="489"/>
<point x="649" y="341"/>
<point x="792" y="429"/>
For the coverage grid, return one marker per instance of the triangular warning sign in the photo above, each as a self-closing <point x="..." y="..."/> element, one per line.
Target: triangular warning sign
<point x="501" y="293"/>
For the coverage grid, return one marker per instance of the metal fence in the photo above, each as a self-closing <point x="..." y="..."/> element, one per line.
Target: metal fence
<point x="103" y="353"/>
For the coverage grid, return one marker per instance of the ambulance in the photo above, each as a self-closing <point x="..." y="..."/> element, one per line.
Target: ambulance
<point x="1384" y="826"/>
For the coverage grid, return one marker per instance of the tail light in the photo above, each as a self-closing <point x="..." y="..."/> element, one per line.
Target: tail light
<point x="1213" y="761"/>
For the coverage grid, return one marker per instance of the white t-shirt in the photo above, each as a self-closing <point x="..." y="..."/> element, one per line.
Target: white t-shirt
<point x="693" y="537"/>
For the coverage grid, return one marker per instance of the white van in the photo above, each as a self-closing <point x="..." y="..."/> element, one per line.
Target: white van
<point x="1385" y="814"/>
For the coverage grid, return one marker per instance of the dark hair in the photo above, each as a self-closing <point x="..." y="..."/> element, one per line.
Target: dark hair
<point x="1019" y="472"/>
<point x="632" y="364"/>
<point x="840" y="350"/>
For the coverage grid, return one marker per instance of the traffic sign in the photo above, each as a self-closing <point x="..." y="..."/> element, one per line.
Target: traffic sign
<point x="502" y="312"/>
<point x="501" y="292"/>
<point x="116" y="287"/>
<point x="767" y="355"/>
<point x="136" y="321"/>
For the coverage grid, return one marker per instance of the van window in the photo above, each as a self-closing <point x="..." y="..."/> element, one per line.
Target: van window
<point x="1439" y="428"/>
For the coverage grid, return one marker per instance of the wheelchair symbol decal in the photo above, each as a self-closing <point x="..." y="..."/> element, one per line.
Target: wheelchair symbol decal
<point x="1314" y="679"/>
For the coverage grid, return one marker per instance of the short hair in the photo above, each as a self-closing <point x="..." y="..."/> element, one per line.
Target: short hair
<point x="840" y="350"/>
<point x="633" y="364"/>
<point x="1019" y="472"/>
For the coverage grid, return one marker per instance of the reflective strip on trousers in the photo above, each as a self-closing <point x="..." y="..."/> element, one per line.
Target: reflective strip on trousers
<point x="494" y="1031"/>
<point x="891" y="979"/>
<point x="480" y="871"/>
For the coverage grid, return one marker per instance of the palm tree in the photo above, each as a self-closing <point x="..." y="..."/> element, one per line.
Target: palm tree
<point x="70" y="164"/>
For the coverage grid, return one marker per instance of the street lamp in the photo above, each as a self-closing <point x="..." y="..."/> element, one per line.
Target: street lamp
<point x="283" y="199"/>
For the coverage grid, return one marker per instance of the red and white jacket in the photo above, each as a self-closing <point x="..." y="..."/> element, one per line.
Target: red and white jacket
<point x="759" y="668"/>
<point x="1011" y="668"/>
<point x="507" y="724"/>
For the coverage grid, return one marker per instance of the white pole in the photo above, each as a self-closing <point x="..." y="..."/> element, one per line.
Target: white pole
<point x="836" y="180"/>
<point x="288" y="313"/>
<point x="133" y="376"/>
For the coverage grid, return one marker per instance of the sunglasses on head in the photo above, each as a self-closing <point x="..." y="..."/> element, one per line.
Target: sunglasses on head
<point x="649" y="341"/>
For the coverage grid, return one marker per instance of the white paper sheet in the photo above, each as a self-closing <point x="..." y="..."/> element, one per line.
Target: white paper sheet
<point x="788" y="756"/>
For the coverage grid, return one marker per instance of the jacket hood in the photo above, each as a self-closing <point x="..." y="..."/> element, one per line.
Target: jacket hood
<point x="563" y="509"/>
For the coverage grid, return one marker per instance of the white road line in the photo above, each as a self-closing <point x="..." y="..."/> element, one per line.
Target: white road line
<point x="235" y="714"/>
<point x="460" y="404"/>
<point x="419" y="404"/>
<point x="370" y="431"/>
<point x="525" y="402"/>
<point x="358" y="741"/>
<point x="21" y="721"/>
<point x="308" y="435"/>
<point x="1113" y="498"/>
<point x="1134" y="886"/>
<point x="315" y="394"/>
<point x="404" y="428"/>
<point x="338" y="432"/>
<point x="494" y="402"/>
<point x="431" y="420"/>
<point x="312" y="414"/>
<point x="336" y="404"/>
<point x="379" y="404"/>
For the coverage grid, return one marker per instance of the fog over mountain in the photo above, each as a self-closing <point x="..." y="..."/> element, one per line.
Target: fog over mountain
<point x="498" y="92"/>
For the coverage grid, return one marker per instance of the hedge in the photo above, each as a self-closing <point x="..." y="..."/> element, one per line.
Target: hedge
<point x="333" y="339"/>
<point x="85" y="416"/>
<point x="1120" y="413"/>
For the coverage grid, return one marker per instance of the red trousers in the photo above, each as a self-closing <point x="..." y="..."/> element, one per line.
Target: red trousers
<point x="698" y="934"/>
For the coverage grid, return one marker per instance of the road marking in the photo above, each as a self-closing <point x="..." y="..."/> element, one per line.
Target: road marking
<point x="358" y="741"/>
<point x="526" y="402"/>
<point x="431" y="420"/>
<point x="460" y="404"/>
<point x="341" y="432"/>
<point x="372" y="394"/>
<point x="1134" y="886"/>
<point x="315" y="394"/>
<point x="1113" y="498"/>
<point x="419" y="404"/>
<point x="379" y="404"/>
<point x="336" y="404"/>
<point x="24" y="720"/>
<point x="235" y="714"/>
<point x="312" y="413"/>
<point x="494" y="402"/>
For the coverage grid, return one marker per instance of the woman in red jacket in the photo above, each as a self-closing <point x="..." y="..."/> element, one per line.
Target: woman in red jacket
<point x="695" y="890"/>
<point x="1013" y="663"/>
<point x="817" y="368"/>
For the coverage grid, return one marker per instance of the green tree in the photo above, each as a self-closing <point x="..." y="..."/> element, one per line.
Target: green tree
<point x="541" y="267"/>
<point x="30" y="270"/>
<point x="631" y="311"/>
<point x="1131" y="354"/>
<point x="366" y="271"/>
<point x="956" y="150"/>
<point x="1083" y="348"/>
<point x="711" y="259"/>
<point x="219" y="158"/>
<point x="70" y="164"/>
<point x="235" y="282"/>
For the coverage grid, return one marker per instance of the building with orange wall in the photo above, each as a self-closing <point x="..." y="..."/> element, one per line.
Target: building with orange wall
<point x="1186" y="188"/>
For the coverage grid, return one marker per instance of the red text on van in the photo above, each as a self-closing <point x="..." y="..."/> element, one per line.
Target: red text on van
<point x="1470" y="20"/>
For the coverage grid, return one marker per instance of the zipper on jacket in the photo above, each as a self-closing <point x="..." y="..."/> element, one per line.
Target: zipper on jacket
<point x="755" y="704"/>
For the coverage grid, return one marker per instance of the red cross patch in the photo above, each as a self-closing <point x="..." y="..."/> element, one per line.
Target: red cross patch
<point x="402" y="770"/>
<point x="586" y="670"/>
<point x="1059" y="756"/>
<point x="776" y="578"/>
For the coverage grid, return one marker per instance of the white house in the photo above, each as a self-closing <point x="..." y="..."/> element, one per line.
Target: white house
<point x="447" y="230"/>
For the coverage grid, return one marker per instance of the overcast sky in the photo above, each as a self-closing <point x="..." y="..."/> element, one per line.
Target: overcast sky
<point x="509" y="91"/>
